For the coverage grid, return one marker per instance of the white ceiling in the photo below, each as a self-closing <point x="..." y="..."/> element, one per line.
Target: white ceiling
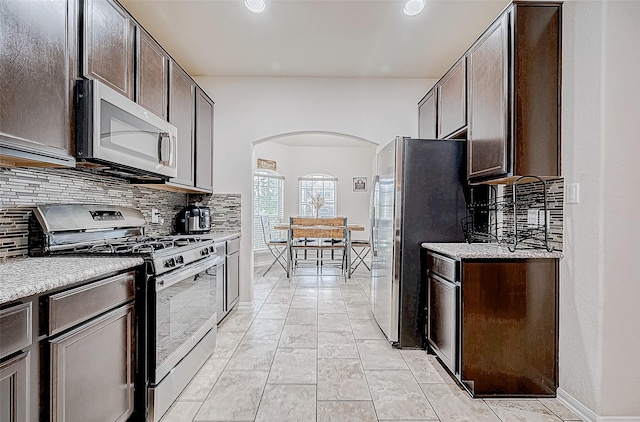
<point x="315" y="38"/>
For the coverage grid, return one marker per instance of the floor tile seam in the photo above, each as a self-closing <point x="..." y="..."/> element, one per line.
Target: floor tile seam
<point x="424" y="395"/>
<point x="558" y="416"/>
<point x="375" y="409"/>
<point x="493" y="410"/>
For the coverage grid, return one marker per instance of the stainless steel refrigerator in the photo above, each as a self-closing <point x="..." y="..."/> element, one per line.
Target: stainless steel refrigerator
<point x="417" y="196"/>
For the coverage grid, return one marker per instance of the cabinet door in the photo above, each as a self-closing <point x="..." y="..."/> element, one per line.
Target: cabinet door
<point x="452" y="117"/>
<point x="488" y="78"/>
<point x="109" y="46"/>
<point x="442" y="319"/>
<point x="152" y="75"/>
<point x="204" y="141"/>
<point x="181" y="115"/>
<point x="92" y="369"/>
<point x="37" y="46"/>
<point x="427" y="116"/>
<point x="14" y="389"/>
<point x="233" y="279"/>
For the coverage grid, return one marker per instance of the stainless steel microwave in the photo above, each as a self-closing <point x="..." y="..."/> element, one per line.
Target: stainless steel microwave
<point x="117" y="136"/>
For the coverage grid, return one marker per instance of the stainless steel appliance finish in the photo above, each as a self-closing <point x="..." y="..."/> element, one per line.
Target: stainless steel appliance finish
<point x="193" y="219"/>
<point x="182" y="290"/>
<point x="418" y="196"/>
<point x="121" y="136"/>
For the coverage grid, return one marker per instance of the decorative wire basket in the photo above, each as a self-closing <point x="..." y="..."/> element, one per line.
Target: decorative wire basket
<point x="513" y="219"/>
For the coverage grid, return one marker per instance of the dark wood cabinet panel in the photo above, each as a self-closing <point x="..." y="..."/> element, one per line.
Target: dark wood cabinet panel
<point x="536" y="89"/>
<point x="102" y="349"/>
<point x="487" y="143"/>
<point x="108" y="53"/>
<point x="509" y="327"/>
<point x="452" y="103"/>
<point x="204" y="141"/>
<point x="427" y="116"/>
<point x="38" y="50"/>
<point x="497" y="329"/>
<point x="182" y="115"/>
<point x="514" y="95"/>
<point x="152" y="74"/>
<point x="442" y="319"/>
<point x="15" y="394"/>
<point x="233" y="279"/>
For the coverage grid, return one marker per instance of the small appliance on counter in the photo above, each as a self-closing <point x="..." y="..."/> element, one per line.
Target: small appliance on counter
<point x="193" y="219"/>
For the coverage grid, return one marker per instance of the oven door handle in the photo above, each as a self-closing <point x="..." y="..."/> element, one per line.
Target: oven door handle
<point x="186" y="272"/>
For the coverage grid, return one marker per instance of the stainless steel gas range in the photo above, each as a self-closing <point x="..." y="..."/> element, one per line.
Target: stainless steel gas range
<point x="178" y="298"/>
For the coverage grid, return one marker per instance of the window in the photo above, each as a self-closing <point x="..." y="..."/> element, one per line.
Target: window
<point x="268" y="199"/>
<point x="317" y="184"/>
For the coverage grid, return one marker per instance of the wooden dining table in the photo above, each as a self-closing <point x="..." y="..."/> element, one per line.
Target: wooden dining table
<point x="350" y="228"/>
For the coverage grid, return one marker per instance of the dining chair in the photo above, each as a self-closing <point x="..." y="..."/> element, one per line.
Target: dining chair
<point x="318" y="235"/>
<point x="360" y="249"/>
<point x="277" y="247"/>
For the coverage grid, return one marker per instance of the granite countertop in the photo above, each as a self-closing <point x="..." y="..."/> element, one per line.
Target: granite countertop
<point x="487" y="251"/>
<point x="219" y="235"/>
<point x="22" y="277"/>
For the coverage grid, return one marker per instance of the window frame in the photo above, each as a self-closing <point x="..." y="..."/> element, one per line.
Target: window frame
<point x="304" y="207"/>
<point x="277" y="217"/>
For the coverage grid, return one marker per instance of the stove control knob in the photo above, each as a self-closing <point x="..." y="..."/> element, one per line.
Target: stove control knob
<point x="204" y="252"/>
<point x="179" y="259"/>
<point x="212" y="249"/>
<point x="170" y="263"/>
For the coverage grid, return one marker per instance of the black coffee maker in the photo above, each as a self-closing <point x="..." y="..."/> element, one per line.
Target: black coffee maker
<point x="193" y="219"/>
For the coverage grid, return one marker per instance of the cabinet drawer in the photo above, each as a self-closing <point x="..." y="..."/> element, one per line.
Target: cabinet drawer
<point x="73" y="306"/>
<point x="233" y="245"/>
<point x="443" y="266"/>
<point x="15" y="328"/>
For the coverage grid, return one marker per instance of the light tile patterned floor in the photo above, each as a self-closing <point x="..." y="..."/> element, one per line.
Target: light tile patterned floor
<point x="310" y="350"/>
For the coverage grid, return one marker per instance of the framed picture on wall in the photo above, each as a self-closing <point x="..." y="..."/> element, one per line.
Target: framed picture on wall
<point x="359" y="184"/>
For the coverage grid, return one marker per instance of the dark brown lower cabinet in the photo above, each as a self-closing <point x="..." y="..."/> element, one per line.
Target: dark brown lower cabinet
<point x="15" y="393"/>
<point x="92" y="350"/>
<point x="509" y="327"/>
<point x="92" y="370"/>
<point x="506" y="318"/>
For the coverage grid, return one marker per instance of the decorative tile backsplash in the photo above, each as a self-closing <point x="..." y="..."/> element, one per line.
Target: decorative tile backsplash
<point x="531" y="196"/>
<point x="494" y="217"/>
<point x="23" y="188"/>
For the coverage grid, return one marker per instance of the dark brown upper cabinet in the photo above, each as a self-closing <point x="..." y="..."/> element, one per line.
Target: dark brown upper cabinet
<point x="452" y="110"/>
<point x="427" y="116"/>
<point x="182" y="115"/>
<point x="152" y="74"/>
<point x="514" y="95"/>
<point x="109" y="47"/>
<point x="487" y="140"/>
<point x="204" y="141"/>
<point x="38" y="45"/>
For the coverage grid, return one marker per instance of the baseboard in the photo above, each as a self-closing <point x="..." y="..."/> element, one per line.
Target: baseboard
<point x="587" y="414"/>
<point x="246" y="305"/>
<point x="575" y="406"/>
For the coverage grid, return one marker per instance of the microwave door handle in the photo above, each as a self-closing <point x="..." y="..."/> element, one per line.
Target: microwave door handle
<point x="172" y="150"/>
<point x="164" y="148"/>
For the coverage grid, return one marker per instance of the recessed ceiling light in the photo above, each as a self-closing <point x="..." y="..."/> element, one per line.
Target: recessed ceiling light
<point x="255" y="5"/>
<point x="413" y="7"/>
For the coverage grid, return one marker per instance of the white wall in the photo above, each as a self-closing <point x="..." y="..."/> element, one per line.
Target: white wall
<point x="344" y="163"/>
<point x="600" y="283"/>
<point x="252" y="109"/>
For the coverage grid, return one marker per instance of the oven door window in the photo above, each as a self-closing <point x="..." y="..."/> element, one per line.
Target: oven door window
<point x="185" y="312"/>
